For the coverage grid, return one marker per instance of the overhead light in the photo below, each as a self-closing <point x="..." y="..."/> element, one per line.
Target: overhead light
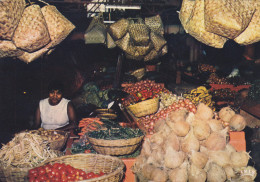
<point x="109" y="21"/>
<point x="122" y="7"/>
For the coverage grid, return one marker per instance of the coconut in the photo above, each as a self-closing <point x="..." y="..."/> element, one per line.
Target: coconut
<point x="198" y="158"/>
<point x="173" y="158"/>
<point x="215" y="125"/>
<point x="216" y="173"/>
<point x="173" y="141"/>
<point x="181" y="128"/>
<point x="237" y="123"/>
<point x="230" y="173"/>
<point x="220" y="157"/>
<point x="190" y="142"/>
<point x="179" y="174"/>
<point x="217" y="140"/>
<point x="226" y="113"/>
<point x="196" y="174"/>
<point x="201" y="130"/>
<point x="239" y="159"/>
<point x="159" y="175"/>
<point x="204" y="112"/>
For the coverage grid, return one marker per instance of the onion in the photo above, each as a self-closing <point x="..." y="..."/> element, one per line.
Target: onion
<point x="239" y="159"/>
<point x="190" y="142"/>
<point x="220" y="157"/>
<point x="237" y="123"/>
<point x="216" y="173"/>
<point x="179" y="174"/>
<point x="204" y="112"/>
<point x="226" y="113"/>
<point x="217" y="140"/>
<point x="199" y="159"/>
<point x="173" y="158"/>
<point x="181" y="128"/>
<point x="201" y="130"/>
<point x="196" y="174"/>
<point x="215" y="125"/>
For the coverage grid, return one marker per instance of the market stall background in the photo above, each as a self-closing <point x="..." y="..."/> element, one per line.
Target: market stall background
<point x="22" y="85"/>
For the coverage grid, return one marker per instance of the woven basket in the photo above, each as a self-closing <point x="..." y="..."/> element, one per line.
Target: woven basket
<point x="144" y="108"/>
<point x="228" y="18"/>
<point x="11" y="13"/>
<point x="155" y="24"/>
<point x="96" y="32"/>
<point x="59" y="144"/>
<point x="110" y="42"/>
<point x="139" y="73"/>
<point x="113" y="167"/>
<point x="12" y="174"/>
<point x="140" y="33"/>
<point x="31" y="33"/>
<point x="118" y="29"/>
<point x="195" y="26"/>
<point x="116" y="147"/>
<point x="187" y="8"/>
<point x="252" y="32"/>
<point x="143" y="50"/>
<point x="157" y="40"/>
<point x="59" y="27"/>
<point x="126" y="45"/>
<point x="8" y="49"/>
<point x="153" y="54"/>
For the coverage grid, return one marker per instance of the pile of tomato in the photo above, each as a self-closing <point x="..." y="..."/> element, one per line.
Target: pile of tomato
<point x="59" y="172"/>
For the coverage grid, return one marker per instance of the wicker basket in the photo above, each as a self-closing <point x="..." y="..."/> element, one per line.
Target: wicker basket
<point x="145" y="108"/>
<point x="59" y="144"/>
<point x="113" y="167"/>
<point x="116" y="147"/>
<point x="12" y="174"/>
<point x="8" y="49"/>
<point x="155" y="24"/>
<point x="118" y="29"/>
<point x="28" y="57"/>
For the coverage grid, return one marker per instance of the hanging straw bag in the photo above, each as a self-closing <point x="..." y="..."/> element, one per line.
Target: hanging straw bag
<point x="59" y="27"/>
<point x="8" y="49"/>
<point x="153" y="54"/>
<point x="139" y="32"/>
<point x="96" y="32"/>
<point x="252" y="32"/>
<point x="11" y="13"/>
<point x="155" y="24"/>
<point x="118" y="29"/>
<point x="31" y="33"/>
<point x="126" y="45"/>
<point x="186" y="11"/>
<point x="157" y="40"/>
<point x="28" y="57"/>
<point x="195" y="25"/>
<point x="228" y="18"/>
<point x="110" y="42"/>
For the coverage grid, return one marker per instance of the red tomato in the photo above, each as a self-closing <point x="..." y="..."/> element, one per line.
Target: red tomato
<point x="62" y="172"/>
<point x="81" y="172"/>
<point x="90" y="175"/>
<point x="71" y="177"/>
<point x="56" y="179"/>
<point x="41" y="171"/>
<point x="47" y="168"/>
<point x="31" y="179"/>
<point x="42" y="178"/>
<point x="51" y="175"/>
<point x="101" y="173"/>
<point x="32" y="171"/>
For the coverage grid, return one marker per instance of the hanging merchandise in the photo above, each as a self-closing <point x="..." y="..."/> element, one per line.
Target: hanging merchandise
<point x="11" y="13"/>
<point x="28" y="57"/>
<point x="31" y="33"/>
<point x="228" y="18"/>
<point x="118" y="29"/>
<point x="59" y="27"/>
<point x="139" y="39"/>
<point x="110" y="42"/>
<point x="252" y="32"/>
<point x="155" y="24"/>
<point x="194" y="24"/>
<point x="96" y="32"/>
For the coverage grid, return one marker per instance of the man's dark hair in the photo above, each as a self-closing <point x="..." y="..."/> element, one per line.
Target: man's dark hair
<point x="56" y="85"/>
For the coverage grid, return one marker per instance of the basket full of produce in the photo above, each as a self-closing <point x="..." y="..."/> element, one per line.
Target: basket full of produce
<point x="116" y="141"/>
<point x="55" y="138"/>
<point x="143" y="97"/>
<point x="23" y="152"/>
<point x="80" y="167"/>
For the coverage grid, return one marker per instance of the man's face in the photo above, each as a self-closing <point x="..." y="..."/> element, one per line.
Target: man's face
<point x="55" y="97"/>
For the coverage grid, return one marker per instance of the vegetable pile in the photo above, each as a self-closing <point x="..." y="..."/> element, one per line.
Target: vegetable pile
<point x="49" y="135"/>
<point x="25" y="150"/>
<point x="193" y="147"/>
<point x="59" y="172"/>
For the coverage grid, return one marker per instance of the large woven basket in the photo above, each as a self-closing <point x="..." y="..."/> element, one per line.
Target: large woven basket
<point x="11" y="13"/>
<point x="140" y="33"/>
<point x="31" y="33"/>
<point x="118" y="29"/>
<point x="155" y="24"/>
<point x="113" y="167"/>
<point x="13" y="174"/>
<point x="8" y="49"/>
<point x="145" y="108"/>
<point x="116" y="147"/>
<point x="28" y="57"/>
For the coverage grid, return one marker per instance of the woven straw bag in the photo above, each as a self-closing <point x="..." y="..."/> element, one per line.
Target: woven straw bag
<point x="126" y="44"/>
<point x="10" y="14"/>
<point x="164" y="50"/>
<point x="8" y="49"/>
<point x="59" y="27"/>
<point x="118" y="29"/>
<point x="228" y="18"/>
<point x="157" y="40"/>
<point x="31" y="33"/>
<point x="96" y="32"/>
<point x="252" y="32"/>
<point x="195" y="27"/>
<point x="134" y="57"/>
<point x="110" y="42"/>
<point x="28" y="57"/>
<point x="187" y="8"/>
<point x="153" y="54"/>
<point x="140" y="33"/>
<point x="155" y="24"/>
<point x="143" y="50"/>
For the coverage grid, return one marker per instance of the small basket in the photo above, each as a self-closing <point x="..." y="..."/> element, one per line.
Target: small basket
<point x="116" y="147"/>
<point x="139" y="73"/>
<point x="145" y="108"/>
<point x="59" y="144"/>
<point x="111" y="166"/>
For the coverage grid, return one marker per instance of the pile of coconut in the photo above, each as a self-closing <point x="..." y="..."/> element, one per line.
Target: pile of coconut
<point x="194" y="147"/>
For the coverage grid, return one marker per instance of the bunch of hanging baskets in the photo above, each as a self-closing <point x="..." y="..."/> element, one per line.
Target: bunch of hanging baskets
<point x="29" y="31"/>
